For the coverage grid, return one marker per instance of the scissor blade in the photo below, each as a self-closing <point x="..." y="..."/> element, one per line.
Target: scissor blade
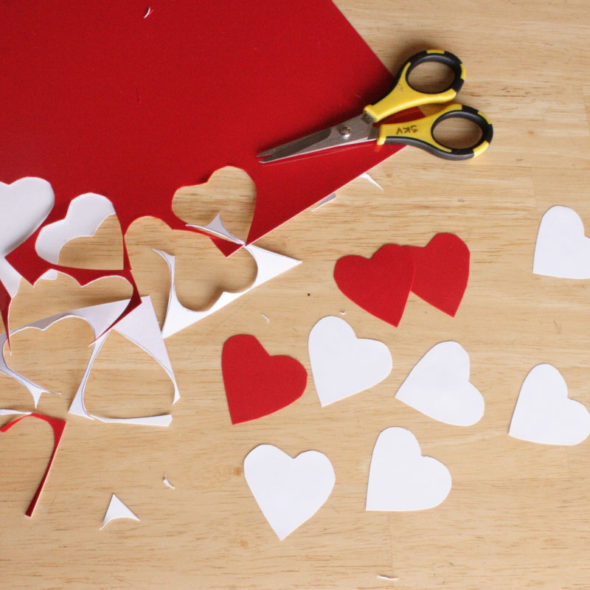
<point x="355" y="130"/>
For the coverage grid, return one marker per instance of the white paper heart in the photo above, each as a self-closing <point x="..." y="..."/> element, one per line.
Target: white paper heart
<point x="289" y="491"/>
<point x="24" y="205"/>
<point x="438" y="386"/>
<point x="342" y="364"/>
<point x="84" y="216"/>
<point x="545" y="414"/>
<point x="401" y="479"/>
<point x="562" y="249"/>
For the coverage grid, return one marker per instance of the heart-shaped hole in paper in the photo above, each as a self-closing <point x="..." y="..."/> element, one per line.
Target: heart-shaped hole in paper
<point x="202" y="271"/>
<point x="86" y="214"/>
<point x="229" y="191"/>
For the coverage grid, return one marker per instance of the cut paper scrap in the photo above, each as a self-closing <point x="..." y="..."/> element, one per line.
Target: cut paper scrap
<point x="85" y="215"/>
<point x="380" y="284"/>
<point x="117" y="509"/>
<point x="437" y="273"/>
<point x="562" y="249"/>
<point x="257" y="384"/>
<point x="438" y="386"/>
<point x="115" y="133"/>
<point x="342" y="364"/>
<point x="58" y="427"/>
<point x="288" y="491"/>
<point x="544" y="413"/>
<point x="8" y="412"/>
<point x="441" y="271"/>
<point x="400" y="478"/>
<point x="269" y="265"/>
<point x="167" y="483"/>
<point x="140" y="327"/>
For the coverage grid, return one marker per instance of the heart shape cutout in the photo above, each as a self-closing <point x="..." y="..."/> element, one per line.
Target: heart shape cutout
<point x="24" y="205"/>
<point x="342" y="364"/>
<point x="257" y="384"/>
<point x="562" y="250"/>
<point x="438" y="386"/>
<point x="400" y="478"/>
<point x="380" y="284"/>
<point x="229" y="192"/>
<point x="441" y="271"/>
<point x="288" y="491"/>
<point x="544" y="413"/>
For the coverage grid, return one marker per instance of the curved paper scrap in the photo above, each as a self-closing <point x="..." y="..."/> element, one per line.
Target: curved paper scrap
<point x="269" y="265"/>
<point x="84" y="216"/>
<point x="342" y="364"/>
<point x="7" y="412"/>
<point x="544" y="413"/>
<point x="117" y="509"/>
<point x="562" y="250"/>
<point x="140" y="327"/>
<point x="288" y="491"/>
<point x="400" y="478"/>
<point x="438" y="386"/>
<point x="58" y="429"/>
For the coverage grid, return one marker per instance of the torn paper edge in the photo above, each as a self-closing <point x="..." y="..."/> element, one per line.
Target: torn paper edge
<point x="118" y="509"/>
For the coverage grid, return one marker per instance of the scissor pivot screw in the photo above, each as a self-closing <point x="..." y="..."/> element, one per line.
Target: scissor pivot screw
<point x="345" y="131"/>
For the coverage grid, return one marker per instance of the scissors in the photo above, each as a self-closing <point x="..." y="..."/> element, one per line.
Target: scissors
<point x="419" y="132"/>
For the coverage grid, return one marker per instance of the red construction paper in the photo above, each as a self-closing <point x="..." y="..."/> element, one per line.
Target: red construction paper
<point x="97" y="98"/>
<point x="257" y="384"/>
<point x="58" y="427"/>
<point x="380" y="284"/>
<point x="441" y="271"/>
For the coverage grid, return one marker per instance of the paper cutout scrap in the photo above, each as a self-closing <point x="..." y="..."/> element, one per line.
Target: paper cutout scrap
<point x="288" y="491"/>
<point x="441" y="271"/>
<point x="438" y="386"/>
<point x="178" y="317"/>
<point x="140" y="327"/>
<point x="117" y="509"/>
<point x="114" y="101"/>
<point x="544" y="413"/>
<point x="9" y="412"/>
<point x="381" y="284"/>
<point x="85" y="215"/>
<point x="401" y="479"/>
<point x="58" y="427"/>
<point x="562" y="249"/>
<point x="438" y="273"/>
<point x="257" y="384"/>
<point x="167" y="483"/>
<point x="343" y="365"/>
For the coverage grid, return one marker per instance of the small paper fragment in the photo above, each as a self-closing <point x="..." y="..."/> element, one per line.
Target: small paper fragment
<point x="167" y="483"/>
<point x="117" y="509"/>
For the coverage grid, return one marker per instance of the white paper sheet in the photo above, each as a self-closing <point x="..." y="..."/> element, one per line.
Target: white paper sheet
<point x="85" y="215"/>
<point x="342" y="364"/>
<point x="544" y="413"/>
<point x="289" y="491"/>
<point x="562" y="249"/>
<point x="401" y="479"/>
<point x="438" y="386"/>
<point x="178" y="317"/>
<point x="117" y="509"/>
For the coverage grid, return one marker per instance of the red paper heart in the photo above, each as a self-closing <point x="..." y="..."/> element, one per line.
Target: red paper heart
<point x="381" y="284"/>
<point x="441" y="271"/>
<point x="257" y="384"/>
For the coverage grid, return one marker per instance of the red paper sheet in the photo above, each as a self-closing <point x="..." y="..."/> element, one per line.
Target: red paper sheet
<point x="97" y="98"/>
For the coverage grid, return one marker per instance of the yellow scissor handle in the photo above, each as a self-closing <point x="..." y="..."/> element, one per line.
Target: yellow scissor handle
<point x="420" y="133"/>
<point x="403" y="96"/>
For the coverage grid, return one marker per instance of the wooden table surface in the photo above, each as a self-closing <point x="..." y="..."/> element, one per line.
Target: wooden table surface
<point x="518" y="515"/>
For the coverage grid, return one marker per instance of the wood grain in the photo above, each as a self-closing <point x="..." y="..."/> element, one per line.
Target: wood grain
<point x="518" y="514"/>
